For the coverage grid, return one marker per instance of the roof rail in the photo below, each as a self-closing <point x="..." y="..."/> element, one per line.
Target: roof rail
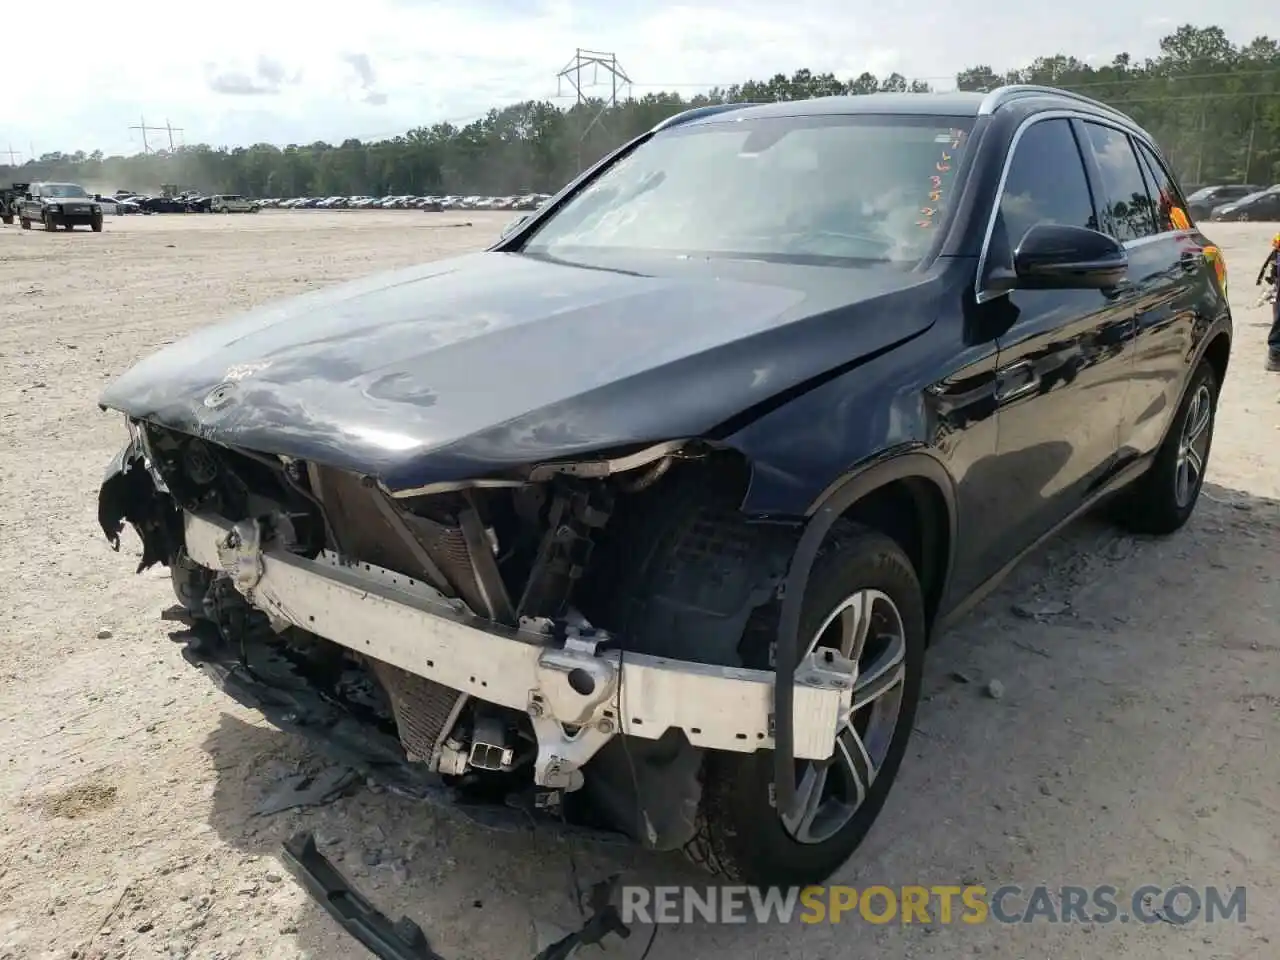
<point x="997" y="98"/>
<point x="697" y="113"/>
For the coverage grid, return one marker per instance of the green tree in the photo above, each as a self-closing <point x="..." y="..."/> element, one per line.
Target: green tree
<point x="1214" y="106"/>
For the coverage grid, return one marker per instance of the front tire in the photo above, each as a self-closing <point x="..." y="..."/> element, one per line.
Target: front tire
<point x="190" y="582"/>
<point x="863" y="596"/>
<point x="96" y="225"/>
<point x="1162" y="500"/>
<point x="49" y="223"/>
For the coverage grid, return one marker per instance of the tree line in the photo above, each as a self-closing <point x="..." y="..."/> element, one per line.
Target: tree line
<point x="1213" y="105"/>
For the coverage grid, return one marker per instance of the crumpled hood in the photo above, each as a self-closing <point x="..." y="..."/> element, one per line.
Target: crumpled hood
<point x="491" y="360"/>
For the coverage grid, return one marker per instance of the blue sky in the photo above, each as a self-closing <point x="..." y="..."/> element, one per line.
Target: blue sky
<point x="265" y="70"/>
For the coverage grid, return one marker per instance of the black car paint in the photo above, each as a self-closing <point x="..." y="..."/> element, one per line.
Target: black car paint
<point x="1019" y="411"/>
<point x="811" y="372"/>
<point x="466" y="367"/>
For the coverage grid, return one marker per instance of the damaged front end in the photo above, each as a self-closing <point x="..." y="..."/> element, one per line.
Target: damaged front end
<point x="459" y="643"/>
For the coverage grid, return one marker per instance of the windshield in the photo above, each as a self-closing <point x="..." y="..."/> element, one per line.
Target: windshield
<point x="66" y="190"/>
<point x="837" y="189"/>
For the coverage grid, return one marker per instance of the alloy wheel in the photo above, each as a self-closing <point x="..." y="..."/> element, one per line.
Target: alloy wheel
<point x="867" y="628"/>
<point x="1193" y="446"/>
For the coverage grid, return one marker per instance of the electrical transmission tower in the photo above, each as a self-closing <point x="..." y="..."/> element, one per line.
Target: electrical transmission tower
<point x="592" y="62"/>
<point x="168" y="127"/>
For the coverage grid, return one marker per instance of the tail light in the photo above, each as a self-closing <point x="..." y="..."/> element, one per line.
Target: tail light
<point x="1214" y="256"/>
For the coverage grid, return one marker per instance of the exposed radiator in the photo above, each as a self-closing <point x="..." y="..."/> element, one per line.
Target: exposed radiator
<point x="424" y="710"/>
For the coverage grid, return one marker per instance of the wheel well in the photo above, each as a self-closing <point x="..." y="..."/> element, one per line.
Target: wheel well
<point x="913" y="512"/>
<point x="1218" y="353"/>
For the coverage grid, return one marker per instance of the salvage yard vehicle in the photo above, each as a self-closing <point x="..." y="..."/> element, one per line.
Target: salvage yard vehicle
<point x="1260" y="205"/>
<point x="55" y="205"/>
<point x="9" y="198"/>
<point x="232" y="203"/>
<point x="640" y="521"/>
<point x="1204" y="201"/>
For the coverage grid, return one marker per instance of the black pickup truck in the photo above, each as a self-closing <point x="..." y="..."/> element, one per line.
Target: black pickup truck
<point x="56" y="205"/>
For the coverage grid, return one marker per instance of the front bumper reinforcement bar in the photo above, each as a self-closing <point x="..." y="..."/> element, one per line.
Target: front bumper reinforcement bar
<point x="596" y="693"/>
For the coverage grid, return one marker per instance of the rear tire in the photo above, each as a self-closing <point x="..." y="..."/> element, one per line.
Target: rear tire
<point x="49" y="224"/>
<point x="24" y="223"/>
<point x="1163" y="498"/>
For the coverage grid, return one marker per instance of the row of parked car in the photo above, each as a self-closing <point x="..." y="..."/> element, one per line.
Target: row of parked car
<point x="1236" y="201"/>
<point x="125" y="202"/>
<point x="528" y="201"/>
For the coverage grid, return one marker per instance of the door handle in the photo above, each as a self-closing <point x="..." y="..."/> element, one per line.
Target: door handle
<point x="1016" y="380"/>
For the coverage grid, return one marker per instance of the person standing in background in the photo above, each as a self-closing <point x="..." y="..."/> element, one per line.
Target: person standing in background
<point x="1268" y="273"/>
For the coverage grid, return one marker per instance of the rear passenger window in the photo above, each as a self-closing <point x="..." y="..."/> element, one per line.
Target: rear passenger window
<point x="1163" y="190"/>
<point x="1129" y="211"/>
<point x="1046" y="182"/>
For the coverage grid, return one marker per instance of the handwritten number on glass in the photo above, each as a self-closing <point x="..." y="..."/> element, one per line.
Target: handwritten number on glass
<point x="927" y="214"/>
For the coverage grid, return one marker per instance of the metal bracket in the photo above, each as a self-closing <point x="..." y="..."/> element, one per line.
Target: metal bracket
<point x="562" y="756"/>
<point x="240" y="554"/>
<point x="571" y="709"/>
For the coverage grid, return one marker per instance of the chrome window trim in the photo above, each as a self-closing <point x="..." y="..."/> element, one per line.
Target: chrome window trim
<point x="985" y="296"/>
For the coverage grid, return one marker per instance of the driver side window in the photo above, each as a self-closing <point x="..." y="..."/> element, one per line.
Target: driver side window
<point x="1046" y="182"/>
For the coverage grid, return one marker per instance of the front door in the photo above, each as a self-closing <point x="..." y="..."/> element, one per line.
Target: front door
<point x="1063" y="361"/>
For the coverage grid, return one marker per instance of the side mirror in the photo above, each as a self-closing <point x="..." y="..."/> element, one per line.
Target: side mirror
<point x="1054" y="256"/>
<point x="511" y="227"/>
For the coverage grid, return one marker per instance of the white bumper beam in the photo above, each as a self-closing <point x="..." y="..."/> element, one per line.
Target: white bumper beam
<point x="406" y="623"/>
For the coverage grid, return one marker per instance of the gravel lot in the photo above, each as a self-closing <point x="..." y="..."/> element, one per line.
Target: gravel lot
<point x="1130" y="744"/>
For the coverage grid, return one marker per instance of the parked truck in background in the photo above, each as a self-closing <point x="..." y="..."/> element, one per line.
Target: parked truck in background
<point x="9" y="197"/>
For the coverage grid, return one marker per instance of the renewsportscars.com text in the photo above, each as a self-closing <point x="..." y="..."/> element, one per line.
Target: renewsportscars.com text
<point x="967" y="905"/>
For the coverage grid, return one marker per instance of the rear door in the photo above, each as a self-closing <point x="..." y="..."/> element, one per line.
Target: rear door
<point x="1063" y="361"/>
<point x="1167" y="270"/>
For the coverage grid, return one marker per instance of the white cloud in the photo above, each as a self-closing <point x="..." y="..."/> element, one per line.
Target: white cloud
<point x="269" y="71"/>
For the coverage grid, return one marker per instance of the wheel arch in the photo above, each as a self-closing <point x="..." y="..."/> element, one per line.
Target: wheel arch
<point x="1218" y="353"/>
<point x="874" y="493"/>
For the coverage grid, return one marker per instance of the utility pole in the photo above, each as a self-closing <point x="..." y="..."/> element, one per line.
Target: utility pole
<point x="1253" y="126"/>
<point x="168" y="127"/>
<point x="143" y="127"/>
<point x="593" y="61"/>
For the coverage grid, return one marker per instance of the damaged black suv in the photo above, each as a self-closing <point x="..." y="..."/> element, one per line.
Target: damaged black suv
<point x="640" y="520"/>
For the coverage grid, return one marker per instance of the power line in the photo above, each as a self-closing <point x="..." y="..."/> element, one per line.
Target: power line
<point x="142" y="125"/>
<point x="1122" y="80"/>
<point x="595" y="61"/>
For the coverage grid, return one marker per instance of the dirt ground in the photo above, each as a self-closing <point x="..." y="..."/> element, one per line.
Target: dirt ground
<point x="1141" y="687"/>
